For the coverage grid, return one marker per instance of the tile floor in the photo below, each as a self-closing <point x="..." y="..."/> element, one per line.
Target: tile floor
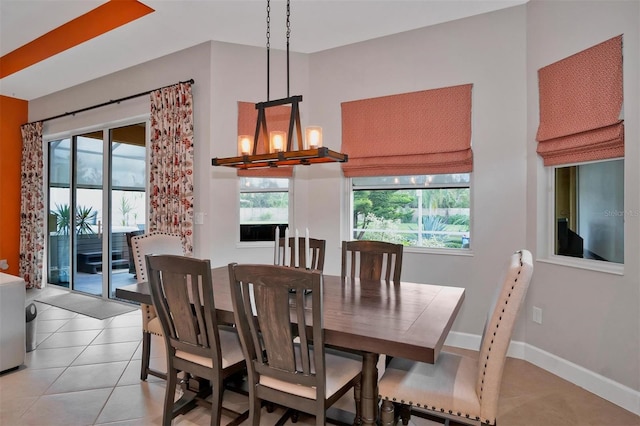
<point x="86" y="372"/>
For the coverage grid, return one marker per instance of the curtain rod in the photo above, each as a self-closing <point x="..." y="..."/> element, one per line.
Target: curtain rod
<point x="114" y="101"/>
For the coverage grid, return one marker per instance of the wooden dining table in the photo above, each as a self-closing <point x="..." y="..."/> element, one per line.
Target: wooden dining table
<point x="399" y="319"/>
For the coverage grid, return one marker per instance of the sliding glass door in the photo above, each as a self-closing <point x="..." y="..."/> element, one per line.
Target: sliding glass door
<point x="96" y="192"/>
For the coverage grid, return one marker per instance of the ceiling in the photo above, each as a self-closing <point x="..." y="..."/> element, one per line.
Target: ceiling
<point x="315" y="25"/>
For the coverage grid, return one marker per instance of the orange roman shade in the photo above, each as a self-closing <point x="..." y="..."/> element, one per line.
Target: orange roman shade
<point x="277" y="119"/>
<point x="426" y="132"/>
<point x="580" y="106"/>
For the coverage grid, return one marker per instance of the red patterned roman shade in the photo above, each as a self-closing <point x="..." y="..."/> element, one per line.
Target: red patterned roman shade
<point x="277" y="119"/>
<point x="580" y="106"/>
<point x="427" y="132"/>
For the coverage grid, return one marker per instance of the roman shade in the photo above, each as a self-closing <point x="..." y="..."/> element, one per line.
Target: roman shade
<point x="581" y="105"/>
<point x="426" y="132"/>
<point x="277" y="119"/>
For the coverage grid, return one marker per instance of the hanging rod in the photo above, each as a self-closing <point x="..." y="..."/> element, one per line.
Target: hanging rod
<point x="114" y="101"/>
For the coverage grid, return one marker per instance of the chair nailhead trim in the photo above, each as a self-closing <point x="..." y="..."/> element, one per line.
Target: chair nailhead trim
<point x="434" y="408"/>
<point x="497" y="326"/>
<point x="484" y="373"/>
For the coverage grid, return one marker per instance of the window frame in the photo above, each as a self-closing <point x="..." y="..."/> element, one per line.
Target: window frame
<point x="239" y="191"/>
<point x="347" y="231"/>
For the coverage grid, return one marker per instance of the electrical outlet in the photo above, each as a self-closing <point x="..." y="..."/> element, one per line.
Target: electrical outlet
<point x="4" y="264"/>
<point x="537" y="315"/>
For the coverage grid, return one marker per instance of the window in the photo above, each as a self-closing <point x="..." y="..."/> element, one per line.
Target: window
<point x="264" y="204"/>
<point x="418" y="211"/>
<point x="589" y="211"/>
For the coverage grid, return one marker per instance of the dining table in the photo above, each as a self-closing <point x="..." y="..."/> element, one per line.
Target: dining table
<point x="398" y="319"/>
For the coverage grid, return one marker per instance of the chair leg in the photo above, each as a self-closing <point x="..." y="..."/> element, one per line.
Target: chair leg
<point x="387" y="413"/>
<point x="254" y="409"/>
<point x="170" y="392"/>
<point x="357" y="396"/>
<point x="216" y="401"/>
<point x="146" y="354"/>
<point x="405" y="414"/>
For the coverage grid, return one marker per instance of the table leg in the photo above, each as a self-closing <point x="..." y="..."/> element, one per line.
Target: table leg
<point x="369" y="388"/>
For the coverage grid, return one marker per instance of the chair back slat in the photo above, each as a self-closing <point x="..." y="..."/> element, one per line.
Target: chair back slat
<point x="181" y="290"/>
<point x="287" y="304"/>
<point x="316" y="251"/>
<point x="274" y="320"/>
<point x="374" y="260"/>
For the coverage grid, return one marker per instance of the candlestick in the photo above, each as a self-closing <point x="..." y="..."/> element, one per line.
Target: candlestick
<point x="296" y="250"/>
<point x="285" y="259"/>
<point x="306" y="249"/>
<point x="276" y="252"/>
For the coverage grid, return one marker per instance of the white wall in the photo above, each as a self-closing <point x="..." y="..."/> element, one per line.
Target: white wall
<point x="589" y="318"/>
<point x="487" y="51"/>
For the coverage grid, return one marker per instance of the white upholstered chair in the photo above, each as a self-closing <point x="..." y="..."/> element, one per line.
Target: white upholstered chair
<point x="459" y="387"/>
<point x="151" y="243"/>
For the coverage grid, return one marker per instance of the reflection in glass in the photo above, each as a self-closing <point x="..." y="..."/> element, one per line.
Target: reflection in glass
<point x="589" y="211"/>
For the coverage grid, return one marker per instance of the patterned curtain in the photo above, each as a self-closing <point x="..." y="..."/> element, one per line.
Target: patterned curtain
<point x="171" y="168"/>
<point x="32" y="209"/>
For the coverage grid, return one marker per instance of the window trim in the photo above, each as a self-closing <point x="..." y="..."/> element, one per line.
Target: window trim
<point x="347" y="222"/>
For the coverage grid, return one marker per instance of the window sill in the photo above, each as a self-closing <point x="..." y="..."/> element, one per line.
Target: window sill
<point x="439" y="251"/>
<point x="591" y="265"/>
<point x="255" y="244"/>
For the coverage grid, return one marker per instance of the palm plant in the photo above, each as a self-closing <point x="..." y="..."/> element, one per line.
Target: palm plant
<point x="84" y="219"/>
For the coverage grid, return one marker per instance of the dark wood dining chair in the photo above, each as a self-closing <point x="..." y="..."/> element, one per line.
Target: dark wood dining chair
<point x="462" y="388"/>
<point x="316" y="251"/>
<point x="155" y="242"/>
<point x="374" y="260"/>
<point x="287" y="362"/>
<point x="182" y="292"/>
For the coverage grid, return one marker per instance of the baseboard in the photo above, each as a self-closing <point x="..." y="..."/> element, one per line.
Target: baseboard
<point x="597" y="384"/>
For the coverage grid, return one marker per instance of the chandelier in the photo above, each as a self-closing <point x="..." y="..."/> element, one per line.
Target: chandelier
<point x="278" y="145"/>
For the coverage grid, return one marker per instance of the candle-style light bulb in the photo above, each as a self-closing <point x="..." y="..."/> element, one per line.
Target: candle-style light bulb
<point x="277" y="140"/>
<point x="313" y="136"/>
<point x="244" y="144"/>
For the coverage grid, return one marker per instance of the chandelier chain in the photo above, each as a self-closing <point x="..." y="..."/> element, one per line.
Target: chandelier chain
<point x="288" y="20"/>
<point x="288" y="37"/>
<point x="268" y="44"/>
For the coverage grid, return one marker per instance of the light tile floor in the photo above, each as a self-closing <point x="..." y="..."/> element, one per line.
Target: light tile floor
<point x="86" y="372"/>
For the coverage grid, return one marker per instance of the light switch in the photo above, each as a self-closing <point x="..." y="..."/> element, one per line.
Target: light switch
<point x="199" y="218"/>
